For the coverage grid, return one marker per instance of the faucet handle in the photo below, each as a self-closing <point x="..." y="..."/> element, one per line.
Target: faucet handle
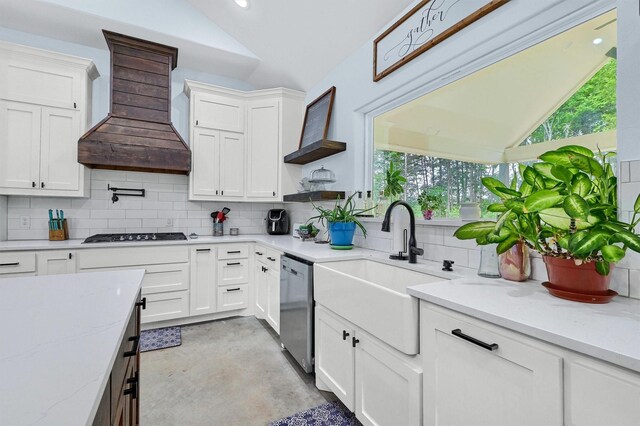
<point x="416" y="250"/>
<point x="447" y="265"/>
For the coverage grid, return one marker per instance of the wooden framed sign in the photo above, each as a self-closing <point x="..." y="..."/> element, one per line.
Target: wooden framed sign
<point x="426" y="25"/>
<point x="316" y="119"/>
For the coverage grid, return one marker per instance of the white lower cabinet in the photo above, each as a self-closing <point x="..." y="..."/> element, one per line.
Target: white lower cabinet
<point x="381" y="385"/>
<point x="598" y="394"/>
<point x="478" y="374"/>
<point x="266" y="276"/>
<point x="16" y="264"/>
<point x="232" y="297"/>
<point x="54" y="262"/>
<point x="165" y="306"/>
<point x="203" y="280"/>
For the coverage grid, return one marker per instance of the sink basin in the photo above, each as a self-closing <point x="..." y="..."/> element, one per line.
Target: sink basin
<point x="373" y="296"/>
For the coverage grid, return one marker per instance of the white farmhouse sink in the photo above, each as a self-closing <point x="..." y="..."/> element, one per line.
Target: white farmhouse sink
<point x="373" y="296"/>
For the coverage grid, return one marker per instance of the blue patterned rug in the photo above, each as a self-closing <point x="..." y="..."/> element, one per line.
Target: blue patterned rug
<point x="160" y="338"/>
<point x="327" y="414"/>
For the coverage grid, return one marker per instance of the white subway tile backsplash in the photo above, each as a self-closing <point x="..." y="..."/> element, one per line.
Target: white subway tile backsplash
<point x="19" y="202"/>
<point x="172" y="196"/>
<point x="634" y="283"/>
<point x="141" y="214"/>
<point x="108" y="214"/>
<point x="624" y="171"/>
<point x="634" y="171"/>
<point x="87" y="223"/>
<point x="620" y="281"/>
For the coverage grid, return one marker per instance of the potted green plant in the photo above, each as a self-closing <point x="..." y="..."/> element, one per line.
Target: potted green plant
<point x="394" y="182"/>
<point x="565" y="208"/>
<point x="341" y="221"/>
<point x="430" y="201"/>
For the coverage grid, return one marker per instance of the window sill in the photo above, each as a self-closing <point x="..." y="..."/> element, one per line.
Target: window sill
<point x="423" y="222"/>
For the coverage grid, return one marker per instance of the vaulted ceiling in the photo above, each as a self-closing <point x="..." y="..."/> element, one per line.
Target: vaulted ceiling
<point x="291" y="43"/>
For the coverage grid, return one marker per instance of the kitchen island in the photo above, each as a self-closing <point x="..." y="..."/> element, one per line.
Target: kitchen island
<point x="60" y="339"/>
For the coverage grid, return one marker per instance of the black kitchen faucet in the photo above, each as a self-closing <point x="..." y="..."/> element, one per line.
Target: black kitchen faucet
<point x="414" y="251"/>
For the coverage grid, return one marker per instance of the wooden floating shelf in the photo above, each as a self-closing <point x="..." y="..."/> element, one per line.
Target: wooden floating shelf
<point x="305" y="197"/>
<point x="316" y="151"/>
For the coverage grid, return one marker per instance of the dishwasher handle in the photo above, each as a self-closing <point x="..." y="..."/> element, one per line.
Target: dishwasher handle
<point x="289" y="270"/>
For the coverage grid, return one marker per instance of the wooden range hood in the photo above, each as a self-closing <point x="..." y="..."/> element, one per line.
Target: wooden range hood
<point x="137" y="135"/>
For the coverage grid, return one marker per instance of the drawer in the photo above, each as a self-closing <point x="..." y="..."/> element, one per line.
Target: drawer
<point x="18" y="262"/>
<point x="166" y="306"/>
<point x="158" y="278"/>
<point x="233" y="251"/>
<point x="131" y="256"/>
<point x="232" y="297"/>
<point x="233" y="271"/>
<point x="272" y="259"/>
<point x="125" y="355"/>
<point x="260" y="253"/>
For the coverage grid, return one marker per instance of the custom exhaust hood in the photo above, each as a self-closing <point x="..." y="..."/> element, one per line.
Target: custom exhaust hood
<point x="137" y="135"/>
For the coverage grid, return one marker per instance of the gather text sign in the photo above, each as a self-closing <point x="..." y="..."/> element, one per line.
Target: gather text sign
<point x="426" y="25"/>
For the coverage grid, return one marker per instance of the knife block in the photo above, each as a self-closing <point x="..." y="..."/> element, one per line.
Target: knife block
<point x="59" y="234"/>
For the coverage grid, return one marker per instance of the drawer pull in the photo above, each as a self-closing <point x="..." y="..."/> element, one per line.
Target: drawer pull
<point x="271" y="259"/>
<point x="259" y="253"/>
<point x="233" y="289"/>
<point x="133" y="390"/>
<point x="264" y="269"/>
<point x="234" y="252"/>
<point x="10" y="264"/>
<point x="134" y="349"/>
<point x="344" y="334"/>
<point x="488" y="346"/>
<point x="142" y="303"/>
<point x="203" y="249"/>
<point x="354" y="341"/>
<point x="233" y="263"/>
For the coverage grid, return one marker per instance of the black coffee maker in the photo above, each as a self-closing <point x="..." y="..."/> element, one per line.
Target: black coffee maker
<point x="277" y="222"/>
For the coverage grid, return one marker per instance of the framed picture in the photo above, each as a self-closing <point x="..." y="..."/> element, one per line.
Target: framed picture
<point x="316" y="119"/>
<point x="427" y="24"/>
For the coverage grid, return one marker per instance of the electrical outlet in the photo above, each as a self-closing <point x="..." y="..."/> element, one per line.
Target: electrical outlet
<point x="25" y="222"/>
<point x="169" y="223"/>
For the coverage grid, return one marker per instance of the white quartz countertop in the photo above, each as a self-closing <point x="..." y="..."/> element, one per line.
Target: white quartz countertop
<point x="306" y="249"/>
<point x="60" y="338"/>
<point x="610" y="332"/>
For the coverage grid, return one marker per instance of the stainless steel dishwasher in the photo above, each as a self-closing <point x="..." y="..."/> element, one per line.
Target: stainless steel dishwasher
<point x="296" y="309"/>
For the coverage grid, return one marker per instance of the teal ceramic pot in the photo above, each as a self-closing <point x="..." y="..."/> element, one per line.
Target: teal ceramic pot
<point x="342" y="233"/>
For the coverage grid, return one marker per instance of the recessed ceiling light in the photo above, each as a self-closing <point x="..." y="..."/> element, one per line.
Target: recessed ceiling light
<point x="243" y="3"/>
<point x="596" y="41"/>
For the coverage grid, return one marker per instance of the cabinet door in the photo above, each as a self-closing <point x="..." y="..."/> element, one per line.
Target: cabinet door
<point x="388" y="389"/>
<point x="598" y="393"/>
<point x="59" y="167"/>
<point x="56" y="262"/>
<point x="516" y="383"/>
<point x="205" y="157"/>
<point x="203" y="280"/>
<point x="273" y="298"/>
<point x="263" y="132"/>
<point x="335" y="357"/>
<point x="231" y="164"/>
<point x="218" y="112"/>
<point x="260" y="279"/>
<point x="19" y="145"/>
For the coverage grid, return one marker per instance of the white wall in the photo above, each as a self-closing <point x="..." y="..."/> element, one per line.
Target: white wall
<point x="628" y="80"/>
<point x="3" y="218"/>
<point x="519" y="21"/>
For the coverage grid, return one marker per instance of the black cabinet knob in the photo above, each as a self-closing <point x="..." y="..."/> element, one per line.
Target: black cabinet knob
<point x="344" y="335"/>
<point x="41" y="184"/>
<point x="354" y="341"/>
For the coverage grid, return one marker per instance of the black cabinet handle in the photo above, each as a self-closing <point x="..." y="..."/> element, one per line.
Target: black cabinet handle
<point x="134" y="350"/>
<point x="488" y="346"/>
<point x="222" y="192"/>
<point x="354" y="341"/>
<point x="233" y="263"/>
<point x="196" y="122"/>
<point x="10" y="264"/>
<point x="234" y="252"/>
<point x="41" y="184"/>
<point x="344" y="334"/>
<point x="233" y="289"/>
<point x="133" y="390"/>
<point x="142" y="302"/>
<point x="203" y="249"/>
<point x="33" y="184"/>
<point x="274" y="193"/>
<point x="216" y="192"/>
<point x="271" y="259"/>
<point x="259" y="253"/>
<point x="70" y="255"/>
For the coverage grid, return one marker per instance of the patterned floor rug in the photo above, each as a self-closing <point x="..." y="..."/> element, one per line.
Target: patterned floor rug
<point x="327" y="414"/>
<point x="160" y="338"/>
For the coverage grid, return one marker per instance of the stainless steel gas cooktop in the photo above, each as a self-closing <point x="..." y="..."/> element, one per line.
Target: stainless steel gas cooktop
<point x="126" y="238"/>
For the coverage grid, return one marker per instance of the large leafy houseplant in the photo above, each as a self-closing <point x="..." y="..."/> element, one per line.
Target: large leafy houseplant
<point x="341" y="221"/>
<point x="565" y="207"/>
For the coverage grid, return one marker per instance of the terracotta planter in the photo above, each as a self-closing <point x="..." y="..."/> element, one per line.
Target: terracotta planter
<point x="577" y="281"/>
<point x="515" y="264"/>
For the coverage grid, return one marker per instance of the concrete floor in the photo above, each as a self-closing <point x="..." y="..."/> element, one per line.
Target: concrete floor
<point x="228" y="372"/>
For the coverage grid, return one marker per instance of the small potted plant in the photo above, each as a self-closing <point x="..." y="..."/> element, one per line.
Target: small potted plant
<point x="394" y="182"/>
<point x="430" y="202"/>
<point x="341" y="221"/>
<point x="565" y="208"/>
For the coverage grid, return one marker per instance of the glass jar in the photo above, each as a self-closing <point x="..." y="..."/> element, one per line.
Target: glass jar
<point x="489" y="267"/>
<point x="515" y="263"/>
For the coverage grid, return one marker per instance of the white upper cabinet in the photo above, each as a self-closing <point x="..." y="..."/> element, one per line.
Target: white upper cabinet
<point x="263" y="133"/>
<point x="254" y="131"/>
<point x="45" y="104"/>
